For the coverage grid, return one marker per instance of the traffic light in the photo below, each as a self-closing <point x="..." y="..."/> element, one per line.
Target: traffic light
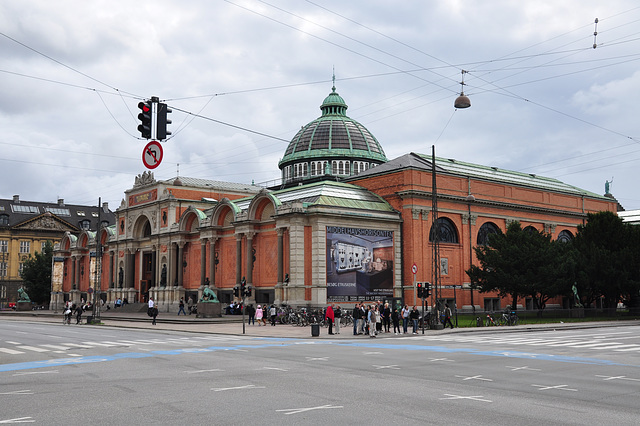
<point x="427" y="290"/>
<point x="249" y="288"/>
<point x="236" y="291"/>
<point x="145" y="119"/>
<point x="243" y="287"/>
<point x="162" y="121"/>
<point x="420" y="291"/>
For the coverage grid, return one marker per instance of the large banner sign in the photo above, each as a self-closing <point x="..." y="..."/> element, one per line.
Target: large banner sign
<point x="359" y="264"/>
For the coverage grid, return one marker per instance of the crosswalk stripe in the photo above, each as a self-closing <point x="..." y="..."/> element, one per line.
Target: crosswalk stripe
<point x="637" y="348"/>
<point x="10" y="351"/>
<point x="617" y="346"/>
<point x="106" y="345"/>
<point x="77" y="345"/>
<point x="33" y="348"/>
<point x="62" y="348"/>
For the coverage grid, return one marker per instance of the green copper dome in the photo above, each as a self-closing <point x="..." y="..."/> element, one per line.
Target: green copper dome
<point x="333" y="137"/>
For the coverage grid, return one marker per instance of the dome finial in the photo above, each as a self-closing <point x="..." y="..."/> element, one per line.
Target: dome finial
<point x="334" y="80"/>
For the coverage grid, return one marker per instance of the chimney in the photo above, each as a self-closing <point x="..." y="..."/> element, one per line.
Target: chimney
<point x="16" y="199"/>
<point x="61" y="202"/>
<point x="105" y="207"/>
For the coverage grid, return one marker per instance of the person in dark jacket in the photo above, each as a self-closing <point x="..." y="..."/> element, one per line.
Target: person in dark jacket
<point x="357" y="317"/>
<point x="337" y="314"/>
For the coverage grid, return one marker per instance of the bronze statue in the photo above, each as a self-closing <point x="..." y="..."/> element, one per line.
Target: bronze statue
<point x="23" y="296"/>
<point x="209" y="295"/>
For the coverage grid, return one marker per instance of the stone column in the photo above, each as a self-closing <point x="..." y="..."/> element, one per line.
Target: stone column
<point x="279" y="289"/>
<point x="77" y="272"/>
<point x="180" y="263"/>
<point x="238" y="258"/>
<point x="203" y="261"/>
<point x="171" y="265"/>
<point x="111" y="256"/>
<point x="249" y="276"/>
<point x="212" y="263"/>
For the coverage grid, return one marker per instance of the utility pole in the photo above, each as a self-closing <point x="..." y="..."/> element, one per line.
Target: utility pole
<point x="98" y="268"/>
<point x="436" y="234"/>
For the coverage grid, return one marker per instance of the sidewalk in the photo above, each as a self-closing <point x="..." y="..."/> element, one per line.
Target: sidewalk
<point x="232" y="325"/>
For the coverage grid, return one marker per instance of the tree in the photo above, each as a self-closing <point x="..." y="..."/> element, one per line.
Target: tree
<point x="609" y="263"/>
<point x="522" y="262"/>
<point x="36" y="274"/>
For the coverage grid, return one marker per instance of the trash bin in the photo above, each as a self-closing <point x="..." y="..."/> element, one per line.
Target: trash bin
<point x="315" y="330"/>
<point x="90" y="319"/>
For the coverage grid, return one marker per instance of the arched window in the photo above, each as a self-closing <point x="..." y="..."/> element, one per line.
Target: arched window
<point x="565" y="236"/>
<point x="486" y="229"/>
<point x="530" y="229"/>
<point x="341" y="168"/>
<point x="313" y="168"/>
<point x="146" y="232"/>
<point x="334" y="167"/>
<point x="447" y="231"/>
<point x="305" y="169"/>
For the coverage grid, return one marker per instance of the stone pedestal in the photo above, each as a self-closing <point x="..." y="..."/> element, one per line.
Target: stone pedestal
<point x="209" y="310"/>
<point x="23" y="306"/>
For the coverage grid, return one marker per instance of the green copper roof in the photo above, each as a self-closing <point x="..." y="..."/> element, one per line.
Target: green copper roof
<point x="333" y="136"/>
<point x="327" y="193"/>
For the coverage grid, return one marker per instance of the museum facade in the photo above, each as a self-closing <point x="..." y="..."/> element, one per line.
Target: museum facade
<point x="344" y="224"/>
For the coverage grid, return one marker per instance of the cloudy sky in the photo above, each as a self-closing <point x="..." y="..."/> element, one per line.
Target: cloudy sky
<point x="242" y="76"/>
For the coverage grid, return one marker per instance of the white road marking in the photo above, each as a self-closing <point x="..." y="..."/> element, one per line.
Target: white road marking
<point x="36" y="372"/>
<point x="478" y="377"/>
<point x="304" y="410"/>
<point x="559" y="387"/>
<point x="637" y="348"/>
<point x="62" y="348"/>
<point x="322" y="358"/>
<point x="13" y="343"/>
<point x="237" y="387"/>
<point x="617" y="377"/>
<point x="77" y="345"/>
<point x="522" y="368"/>
<point x="391" y="367"/>
<point x="33" y="348"/>
<point x="11" y="351"/>
<point x="202" y="371"/>
<point x="474" y="397"/>
<point x="18" y="420"/>
<point x="20" y="392"/>
<point x="272" y="368"/>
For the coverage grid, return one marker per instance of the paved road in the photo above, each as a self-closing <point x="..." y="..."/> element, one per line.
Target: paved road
<point x="106" y="374"/>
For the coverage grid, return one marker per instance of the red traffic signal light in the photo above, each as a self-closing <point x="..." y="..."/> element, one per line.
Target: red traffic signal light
<point x="420" y="291"/>
<point x="145" y="119"/>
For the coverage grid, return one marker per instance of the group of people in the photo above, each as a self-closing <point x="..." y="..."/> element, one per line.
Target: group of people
<point x="377" y="318"/>
<point x="190" y="306"/>
<point x="260" y="314"/>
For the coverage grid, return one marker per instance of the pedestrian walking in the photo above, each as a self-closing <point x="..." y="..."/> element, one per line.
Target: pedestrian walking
<point x="395" y="317"/>
<point x="181" y="307"/>
<point x="337" y="314"/>
<point x="251" y="313"/>
<point x="414" y="315"/>
<point x="78" y="311"/>
<point x="330" y="316"/>
<point x="405" y="318"/>
<point x="386" y="317"/>
<point x="152" y="311"/>
<point x="260" y="316"/>
<point x="273" y="314"/>
<point x="357" y="317"/>
<point x="447" y="316"/>
<point x="372" y="321"/>
<point x="190" y="305"/>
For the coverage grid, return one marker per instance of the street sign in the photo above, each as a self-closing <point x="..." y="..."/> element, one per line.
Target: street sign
<point x="152" y="155"/>
<point x="414" y="269"/>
